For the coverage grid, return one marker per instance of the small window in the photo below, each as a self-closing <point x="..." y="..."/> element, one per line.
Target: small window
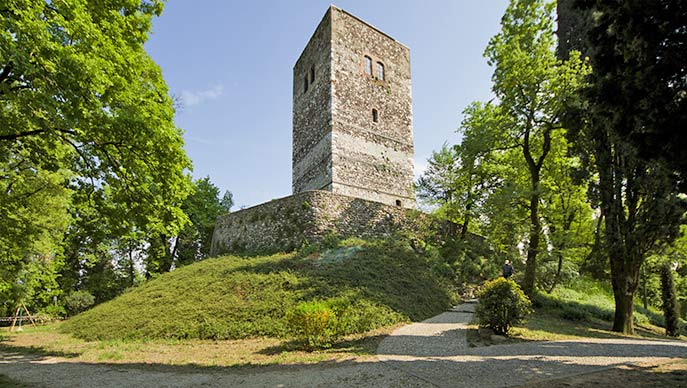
<point x="398" y="202"/>
<point x="305" y="84"/>
<point x="312" y="74"/>
<point x="380" y="71"/>
<point x="375" y="115"/>
<point x="368" y="65"/>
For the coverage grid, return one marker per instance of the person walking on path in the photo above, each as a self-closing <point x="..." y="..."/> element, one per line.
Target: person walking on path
<point x="508" y="270"/>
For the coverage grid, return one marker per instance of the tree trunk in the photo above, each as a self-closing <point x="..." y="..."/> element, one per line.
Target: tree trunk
<point x="132" y="268"/>
<point x="557" y="278"/>
<point x="166" y="259"/>
<point x="623" y="321"/>
<point x="466" y="221"/>
<point x="533" y="248"/>
<point x="535" y="224"/>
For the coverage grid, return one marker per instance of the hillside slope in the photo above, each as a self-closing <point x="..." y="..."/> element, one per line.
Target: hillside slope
<point x="233" y="297"/>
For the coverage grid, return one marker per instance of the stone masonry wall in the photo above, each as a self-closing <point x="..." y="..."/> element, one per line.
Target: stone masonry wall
<point x="284" y="224"/>
<point x="337" y="146"/>
<point x="312" y="142"/>
<point x="371" y="160"/>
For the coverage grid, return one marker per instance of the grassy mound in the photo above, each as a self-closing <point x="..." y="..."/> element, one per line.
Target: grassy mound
<point x="234" y="297"/>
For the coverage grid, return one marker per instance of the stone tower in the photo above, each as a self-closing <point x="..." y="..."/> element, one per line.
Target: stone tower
<point x="352" y="113"/>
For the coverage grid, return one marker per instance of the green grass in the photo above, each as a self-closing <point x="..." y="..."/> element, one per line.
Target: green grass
<point x="245" y="297"/>
<point x="585" y="299"/>
<point x="583" y="308"/>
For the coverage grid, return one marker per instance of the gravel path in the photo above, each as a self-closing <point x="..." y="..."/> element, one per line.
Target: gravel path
<point x="437" y="352"/>
<point x="432" y="353"/>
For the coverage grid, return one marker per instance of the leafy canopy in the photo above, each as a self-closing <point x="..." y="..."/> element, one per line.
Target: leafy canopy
<point x="83" y="108"/>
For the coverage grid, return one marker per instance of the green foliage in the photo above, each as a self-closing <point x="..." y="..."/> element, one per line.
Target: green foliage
<point x="193" y="242"/>
<point x="227" y="201"/>
<point x="579" y="300"/>
<point x="501" y="305"/>
<point x="638" y="81"/>
<point x="319" y="324"/>
<point x="670" y="307"/>
<point x="383" y="282"/>
<point x="510" y="178"/>
<point x="532" y="87"/>
<point x="90" y="158"/>
<point x="33" y="217"/>
<point x="630" y="98"/>
<point x="79" y="301"/>
<point x="469" y="261"/>
<point x="589" y="300"/>
<point x="313" y="323"/>
<point x="550" y="274"/>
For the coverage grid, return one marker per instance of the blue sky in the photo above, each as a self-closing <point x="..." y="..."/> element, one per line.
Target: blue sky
<point x="231" y="63"/>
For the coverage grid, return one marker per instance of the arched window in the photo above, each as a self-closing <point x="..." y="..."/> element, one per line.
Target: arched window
<point x="380" y="71"/>
<point x="368" y="65"/>
<point x="375" y="115"/>
<point x="312" y="73"/>
<point x="305" y="84"/>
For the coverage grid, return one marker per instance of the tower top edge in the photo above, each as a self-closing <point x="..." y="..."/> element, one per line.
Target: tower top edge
<point x="328" y="13"/>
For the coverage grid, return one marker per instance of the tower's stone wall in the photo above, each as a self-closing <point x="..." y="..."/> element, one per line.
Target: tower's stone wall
<point x="312" y="138"/>
<point x="352" y="173"/>
<point x="338" y="146"/>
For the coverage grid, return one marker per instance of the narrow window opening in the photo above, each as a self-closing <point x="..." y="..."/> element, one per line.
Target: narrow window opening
<point x="398" y="202"/>
<point x="305" y="84"/>
<point x="375" y="115"/>
<point x="380" y="71"/>
<point x="312" y="74"/>
<point x="368" y="65"/>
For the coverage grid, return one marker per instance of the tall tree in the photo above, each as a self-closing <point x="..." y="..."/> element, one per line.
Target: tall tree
<point x="84" y="108"/>
<point x="637" y="195"/>
<point x="202" y="207"/>
<point x="460" y="178"/>
<point x="193" y="242"/>
<point x="227" y="201"/>
<point x="532" y="87"/>
<point x="567" y="215"/>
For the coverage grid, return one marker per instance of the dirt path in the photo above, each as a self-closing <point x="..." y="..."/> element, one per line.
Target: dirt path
<point x="433" y="353"/>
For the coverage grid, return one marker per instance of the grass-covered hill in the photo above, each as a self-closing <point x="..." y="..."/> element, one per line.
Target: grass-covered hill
<point x="236" y="297"/>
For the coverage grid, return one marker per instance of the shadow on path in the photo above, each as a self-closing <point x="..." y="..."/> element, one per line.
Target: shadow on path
<point x="433" y="353"/>
<point x="436" y="351"/>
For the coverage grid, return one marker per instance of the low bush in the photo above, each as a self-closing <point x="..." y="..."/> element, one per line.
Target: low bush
<point x="502" y="304"/>
<point x="319" y="324"/>
<point x="313" y="323"/>
<point x="78" y="301"/>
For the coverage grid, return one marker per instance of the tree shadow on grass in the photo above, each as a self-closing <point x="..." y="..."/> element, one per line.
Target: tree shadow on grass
<point x="357" y="346"/>
<point x="10" y="351"/>
<point x="589" y="327"/>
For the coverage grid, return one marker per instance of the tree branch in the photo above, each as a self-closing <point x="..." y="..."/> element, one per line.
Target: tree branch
<point x="6" y="70"/>
<point x="16" y="136"/>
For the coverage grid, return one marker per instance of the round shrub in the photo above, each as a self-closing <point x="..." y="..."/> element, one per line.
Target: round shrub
<point x="313" y="323"/>
<point x="78" y="301"/>
<point x="501" y="305"/>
